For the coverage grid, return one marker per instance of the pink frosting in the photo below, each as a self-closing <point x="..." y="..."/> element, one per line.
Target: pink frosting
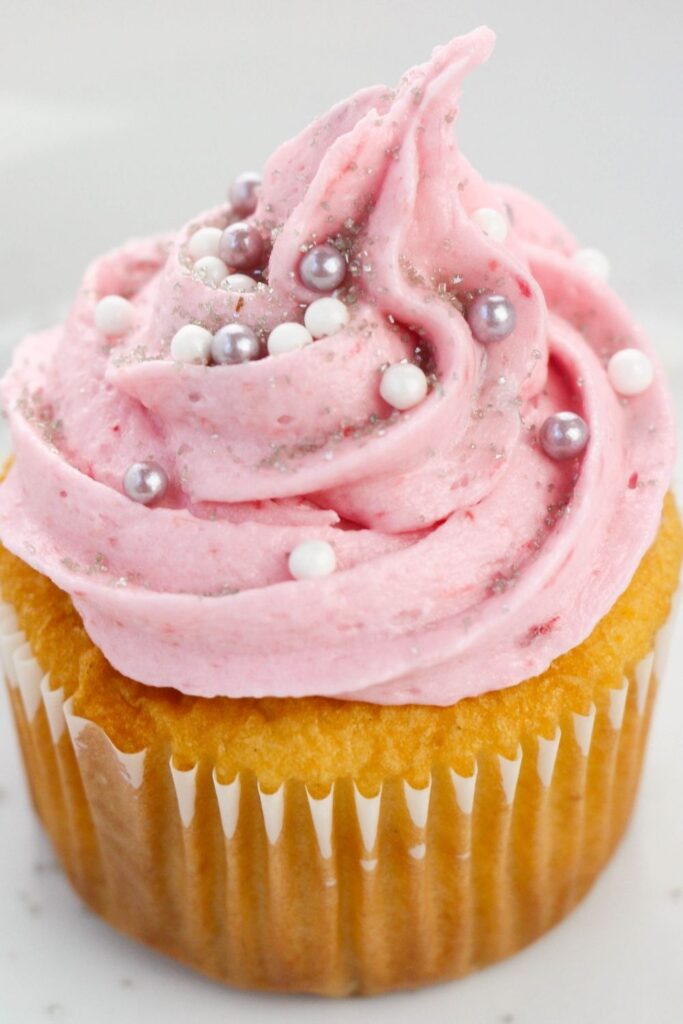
<point x="466" y="558"/>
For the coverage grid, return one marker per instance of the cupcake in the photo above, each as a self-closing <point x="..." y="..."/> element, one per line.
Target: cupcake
<point x="338" y="555"/>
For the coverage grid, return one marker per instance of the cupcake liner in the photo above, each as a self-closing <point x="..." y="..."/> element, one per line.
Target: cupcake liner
<point x="341" y="891"/>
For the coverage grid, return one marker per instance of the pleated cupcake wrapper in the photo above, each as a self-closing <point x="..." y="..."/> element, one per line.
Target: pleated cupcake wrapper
<point x="346" y="891"/>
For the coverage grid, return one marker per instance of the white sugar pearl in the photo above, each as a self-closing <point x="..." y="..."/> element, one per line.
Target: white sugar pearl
<point x="403" y="385"/>
<point x="114" y="315"/>
<point x="491" y="223"/>
<point x="204" y="242"/>
<point x="312" y="558"/>
<point x="240" y="283"/>
<point x="210" y="269"/>
<point x="630" y="372"/>
<point x="288" y="337"/>
<point x="594" y="261"/>
<point x="325" y="317"/>
<point x="191" y="344"/>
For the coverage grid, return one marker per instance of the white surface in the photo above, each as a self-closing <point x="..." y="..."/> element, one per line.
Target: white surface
<point x="121" y="119"/>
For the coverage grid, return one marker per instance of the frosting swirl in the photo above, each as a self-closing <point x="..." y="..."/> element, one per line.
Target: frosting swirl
<point x="467" y="559"/>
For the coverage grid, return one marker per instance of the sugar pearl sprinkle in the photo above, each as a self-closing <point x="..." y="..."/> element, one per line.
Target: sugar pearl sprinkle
<point x="145" y="482"/>
<point x="491" y="318"/>
<point x="323" y="268"/>
<point x="594" y="262"/>
<point x="325" y="317"/>
<point x="210" y="270"/>
<point x="288" y="337"/>
<point x="630" y="372"/>
<point x="236" y="343"/>
<point x="241" y="246"/>
<point x="191" y="344"/>
<point x="204" y="242"/>
<point x="492" y="223"/>
<point x="564" y="435"/>
<point x="243" y="193"/>
<point x="403" y="386"/>
<point x="114" y="315"/>
<point x="240" y="283"/>
<point x="312" y="558"/>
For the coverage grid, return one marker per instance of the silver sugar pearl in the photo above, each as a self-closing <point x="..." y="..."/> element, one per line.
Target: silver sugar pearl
<point x="491" y="317"/>
<point x="564" y="435"/>
<point x="322" y="268"/>
<point x="145" y="482"/>
<point x="236" y="343"/>
<point x="241" y="246"/>
<point x="243" y="193"/>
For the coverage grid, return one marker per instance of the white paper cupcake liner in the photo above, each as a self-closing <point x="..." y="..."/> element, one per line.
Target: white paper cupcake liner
<point x="212" y="872"/>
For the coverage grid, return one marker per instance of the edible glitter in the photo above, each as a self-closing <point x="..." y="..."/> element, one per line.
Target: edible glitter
<point x="101" y="562"/>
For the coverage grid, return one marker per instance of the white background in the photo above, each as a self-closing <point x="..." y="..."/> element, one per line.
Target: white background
<point x="126" y="118"/>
